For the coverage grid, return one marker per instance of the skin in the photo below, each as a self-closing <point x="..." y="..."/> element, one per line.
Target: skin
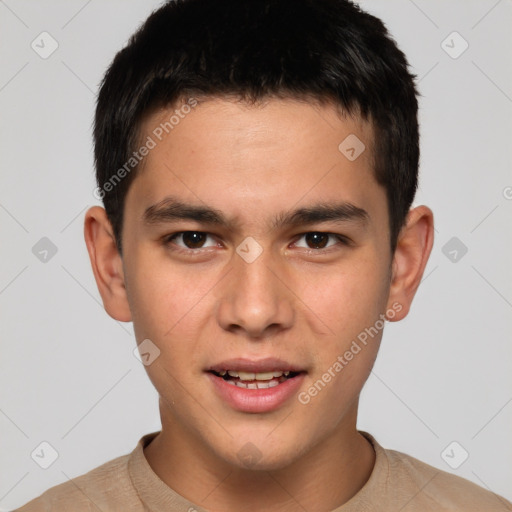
<point x="298" y="302"/>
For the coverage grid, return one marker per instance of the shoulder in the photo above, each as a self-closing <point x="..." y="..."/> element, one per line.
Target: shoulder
<point x="106" y="487"/>
<point x="424" y="487"/>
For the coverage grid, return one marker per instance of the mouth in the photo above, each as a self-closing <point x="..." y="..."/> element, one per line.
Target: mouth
<point x="256" y="386"/>
<point x="255" y="380"/>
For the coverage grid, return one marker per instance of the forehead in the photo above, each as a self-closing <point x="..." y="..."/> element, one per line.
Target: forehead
<point x="228" y="153"/>
<point x="270" y="122"/>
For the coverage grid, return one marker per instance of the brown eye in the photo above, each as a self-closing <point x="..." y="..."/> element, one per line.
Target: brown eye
<point x="191" y="240"/>
<point x="194" y="239"/>
<point x="317" y="240"/>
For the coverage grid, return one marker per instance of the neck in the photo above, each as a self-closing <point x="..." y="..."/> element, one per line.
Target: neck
<point x="322" y="479"/>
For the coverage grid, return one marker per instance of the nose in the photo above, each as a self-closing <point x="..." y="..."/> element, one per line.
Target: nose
<point x="254" y="300"/>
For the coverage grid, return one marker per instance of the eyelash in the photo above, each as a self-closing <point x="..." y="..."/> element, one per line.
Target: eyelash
<point x="168" y="240"/>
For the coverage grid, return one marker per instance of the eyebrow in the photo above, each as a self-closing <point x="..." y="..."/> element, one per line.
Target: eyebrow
<point x="323" y="212"/>
<point x="171" y="209"/>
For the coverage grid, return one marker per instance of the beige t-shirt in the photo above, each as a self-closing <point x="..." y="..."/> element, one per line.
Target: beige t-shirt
<point x="397" y="483"/>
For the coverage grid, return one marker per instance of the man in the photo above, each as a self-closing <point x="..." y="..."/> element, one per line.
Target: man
<point x="257" y="161"/>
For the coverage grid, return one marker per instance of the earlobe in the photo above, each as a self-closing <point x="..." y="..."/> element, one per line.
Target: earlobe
<point x="106" y="263"/>
<point x="410" y="259"/>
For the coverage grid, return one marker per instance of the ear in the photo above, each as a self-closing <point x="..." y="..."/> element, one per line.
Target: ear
<point x="106" y="263"/>
<point x="411" y="255"/>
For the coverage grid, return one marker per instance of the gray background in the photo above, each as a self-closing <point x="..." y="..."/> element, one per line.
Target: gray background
<point x="67" y="372"/>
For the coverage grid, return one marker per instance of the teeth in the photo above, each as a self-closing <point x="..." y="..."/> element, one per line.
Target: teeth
<point x="254" y="385"/>
<point x="254" y="376"/>
<point x="268" y="375"/>
<point x="246" y="376"/>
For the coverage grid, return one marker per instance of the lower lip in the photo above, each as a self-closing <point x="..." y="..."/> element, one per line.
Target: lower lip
<point x="256" y="400"/>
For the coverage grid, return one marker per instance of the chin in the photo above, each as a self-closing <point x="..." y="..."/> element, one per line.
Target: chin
<point x="262" y="455"/>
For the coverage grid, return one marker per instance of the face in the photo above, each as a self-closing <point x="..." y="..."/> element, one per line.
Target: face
<point x="256" y="260"/>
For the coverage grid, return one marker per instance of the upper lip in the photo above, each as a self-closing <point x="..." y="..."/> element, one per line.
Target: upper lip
<point x="269" y="364"/>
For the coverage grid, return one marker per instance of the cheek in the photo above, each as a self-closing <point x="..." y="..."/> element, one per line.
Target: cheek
<point x="170" y="307"/>
<point x="164" y="299"/>
<point x="350" y="302"/>
<point x="347" y="299"/>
